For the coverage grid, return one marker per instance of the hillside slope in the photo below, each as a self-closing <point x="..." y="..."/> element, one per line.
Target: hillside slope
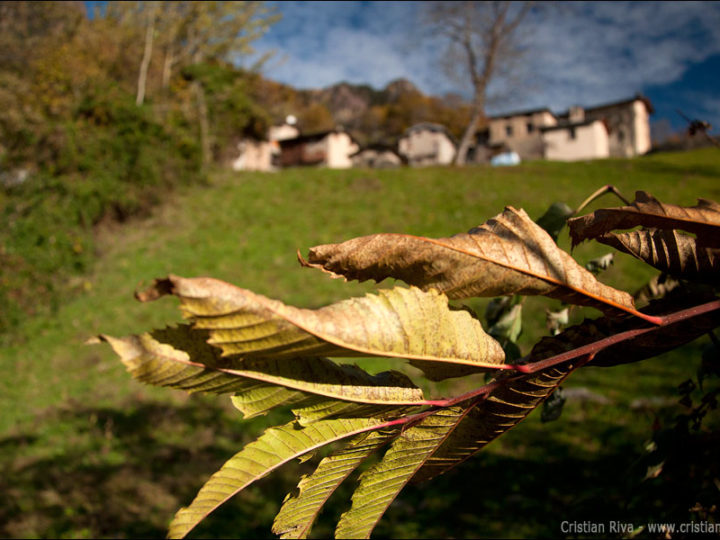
<point x="89" y="452"/>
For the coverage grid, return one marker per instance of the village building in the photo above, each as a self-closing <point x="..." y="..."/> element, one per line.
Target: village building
<point x="279" y="133"/>
<point x="283" y="132"/>
<point x="325" y="149"/>
<point x="377" y="156"/>
<point x="427" y="144"/>
<point x="520" y="132"/>
<point x="259" y="155"/>
<point x="628" y="124"/>
<point x="618" y="129"/>
<point x="254" y="156"/>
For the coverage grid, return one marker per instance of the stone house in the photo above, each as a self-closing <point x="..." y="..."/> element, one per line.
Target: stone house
<point x="618" y="129"/>
<point x="628" y="123"/>
<point x="258" y="155"/>
<point x="427" y="144"/>
<point x="325" y="149"/>
<point x="376" y="156"/>
<point x="520" y="132"/>
<point x="254" y="156"/>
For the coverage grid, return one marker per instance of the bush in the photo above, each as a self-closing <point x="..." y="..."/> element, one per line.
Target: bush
<point x="113" y="159"/>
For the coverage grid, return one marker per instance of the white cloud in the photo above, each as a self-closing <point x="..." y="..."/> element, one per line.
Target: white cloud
<point x="322" y="43"/>
<point x="580" y="52"/>
<point x="345" y="53"/>
<point x="601" y="51"/>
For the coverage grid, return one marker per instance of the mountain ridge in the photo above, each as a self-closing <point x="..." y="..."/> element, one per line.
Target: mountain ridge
<point x="370" y="115"/>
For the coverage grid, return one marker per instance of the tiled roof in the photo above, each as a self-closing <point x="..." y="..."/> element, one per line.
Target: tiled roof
<point x="640" y="97"/>
<point x="527" y="112"/>
<point x="567" y="125"/>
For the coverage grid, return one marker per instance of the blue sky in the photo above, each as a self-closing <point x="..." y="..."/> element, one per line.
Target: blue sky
<point x="583" y="53"/>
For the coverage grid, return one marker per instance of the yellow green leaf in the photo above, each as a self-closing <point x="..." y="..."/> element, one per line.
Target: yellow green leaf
<point x="199" y="367"/>
<point x="504" y="408"/>
<point x="299" y="511"/>
<point x="382" y="483"/>
<point x="399" y="323"/>
<point x="319" y="408"/>
<point x="262" y="398"/>
<point x="274" y="448"/>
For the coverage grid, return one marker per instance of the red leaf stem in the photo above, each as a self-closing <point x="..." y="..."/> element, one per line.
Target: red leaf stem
<point x="585" y="353"/>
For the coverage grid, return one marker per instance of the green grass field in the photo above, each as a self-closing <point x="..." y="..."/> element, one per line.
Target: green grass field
<point x="87" y="452"/>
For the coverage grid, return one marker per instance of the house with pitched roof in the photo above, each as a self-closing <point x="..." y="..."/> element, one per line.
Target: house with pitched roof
<point x="287" y="147"/>
<point x="377" y="156"/>
<point x="617" y="129"/>
<point x="628" y="124"/>
<point x="263" y="155"/>
<point x="427" y="144"/>
<point x="331" y="149"/>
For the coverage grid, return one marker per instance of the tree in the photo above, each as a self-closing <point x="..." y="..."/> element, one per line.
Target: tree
<point x="231" y="111"/>
<point x="192" y="33"/>
<point x="216" y="31"/>
<point x="24" y="25"/>
<point x="315" y="118"/>
<point x="481" y="36"/>
<point x="269" y="355"/>
<point x="70" y="130"/>
<point x="147" y="51"/>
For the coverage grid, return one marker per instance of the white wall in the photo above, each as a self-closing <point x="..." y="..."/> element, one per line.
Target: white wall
<point x="427" y="148"/>
<point x="591" y="142"/>
<point x="254" y="156"/>
<point x="643" y="142"/>
<point x="446" y="149"/>
<point x="526" y="137"/>
<point x="339" y="147"/>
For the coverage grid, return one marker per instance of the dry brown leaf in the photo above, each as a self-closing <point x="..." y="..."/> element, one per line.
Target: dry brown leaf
<point x="655" y="289"/>
<point x="670" y="251"/>
<point x="510" y="254"/>
<point x="635" y="348"/>
<point x="702" y="219"/>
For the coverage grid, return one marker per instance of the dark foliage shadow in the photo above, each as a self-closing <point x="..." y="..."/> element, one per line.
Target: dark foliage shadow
<point x="553" y="481"/>
<point x="127" y="473"/>
<point x="129" y="470"/>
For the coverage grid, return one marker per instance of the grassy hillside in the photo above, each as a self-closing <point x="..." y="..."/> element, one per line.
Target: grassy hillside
<point x="87" y="452"/>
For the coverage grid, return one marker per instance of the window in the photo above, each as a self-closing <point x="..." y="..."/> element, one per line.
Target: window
<point x="508" y="130"/>
<point x="530" y="127"/>
<point x="573" y="135"/>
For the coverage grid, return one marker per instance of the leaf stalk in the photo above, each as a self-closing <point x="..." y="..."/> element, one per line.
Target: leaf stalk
<point x="585" y="353"/>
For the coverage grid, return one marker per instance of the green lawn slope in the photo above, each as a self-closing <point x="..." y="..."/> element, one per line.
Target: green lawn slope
<point x="88" y="452"/>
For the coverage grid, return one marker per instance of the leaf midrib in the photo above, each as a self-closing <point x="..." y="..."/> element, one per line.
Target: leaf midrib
<point x="293" y="319"/>
<point x="258" y="376"/>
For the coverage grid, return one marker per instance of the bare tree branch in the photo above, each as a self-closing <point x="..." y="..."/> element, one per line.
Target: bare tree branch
<point x="699" y="126"/>
<point x="484" y="33"/>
